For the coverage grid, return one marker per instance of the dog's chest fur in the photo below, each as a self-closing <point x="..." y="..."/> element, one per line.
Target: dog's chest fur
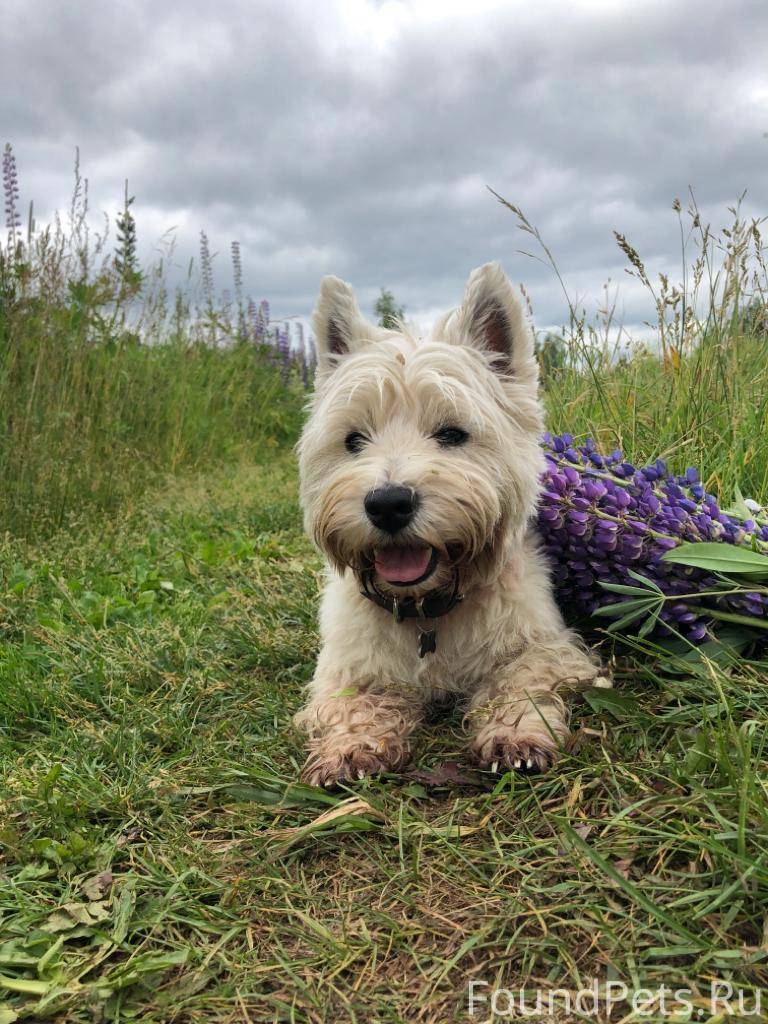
<point x="489" y="626"/>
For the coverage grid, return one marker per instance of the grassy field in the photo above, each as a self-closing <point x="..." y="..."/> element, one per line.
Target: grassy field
<point x="111" y="378"/>
<point x="158" y="860"/>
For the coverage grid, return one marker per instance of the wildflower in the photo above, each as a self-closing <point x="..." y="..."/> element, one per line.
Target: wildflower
<point x="603" y="519"/>
<point x="303" y="357"/>
<point x="283" y="339"/>
<point x="237" y="270"/>
<point x="11" y="195"/>
<point x="206" y="269"/>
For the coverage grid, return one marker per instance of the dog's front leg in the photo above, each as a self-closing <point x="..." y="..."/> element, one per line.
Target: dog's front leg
<point x="355" y="730"/>
<point x="518" y="718"/>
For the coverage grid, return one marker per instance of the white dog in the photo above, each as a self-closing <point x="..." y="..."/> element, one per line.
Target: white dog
<point x="420" y="468"/>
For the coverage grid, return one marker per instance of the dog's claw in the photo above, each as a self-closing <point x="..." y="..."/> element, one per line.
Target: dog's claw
<point x="332" y="769"/>
<point x="525" y="758"/>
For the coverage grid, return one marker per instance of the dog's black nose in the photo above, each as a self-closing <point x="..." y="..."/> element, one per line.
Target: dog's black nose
<point x="391" y="508"/>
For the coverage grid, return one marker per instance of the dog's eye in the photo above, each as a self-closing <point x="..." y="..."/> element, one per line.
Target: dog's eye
<point x="450" y="437"/>
<point x="355" y="441"/>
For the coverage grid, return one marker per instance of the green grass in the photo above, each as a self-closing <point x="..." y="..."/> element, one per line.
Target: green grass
<point x="160" y="862"/>
<point x="710" y="411"/>
<point x="96" y="419"/>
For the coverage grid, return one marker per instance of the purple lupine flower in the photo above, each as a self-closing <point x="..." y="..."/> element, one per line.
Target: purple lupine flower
<point x="602" y="519"/>
<point x="258" y="317"/>
<point x="301" y="355"/>
<point x="237" y="270"/>
<point x="237" y="276"/>
<point x="11" y="195"/>
<point x="252" y="318"/>
<point x="206" y="268"/>
<point x="284" y="351"/>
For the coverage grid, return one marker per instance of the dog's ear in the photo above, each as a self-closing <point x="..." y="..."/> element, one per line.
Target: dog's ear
<point x="491" y="318"/>
<point x="339" y="326"/>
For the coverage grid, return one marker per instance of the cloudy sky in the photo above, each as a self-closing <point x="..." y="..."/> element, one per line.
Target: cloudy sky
<point x="358" y="138"/>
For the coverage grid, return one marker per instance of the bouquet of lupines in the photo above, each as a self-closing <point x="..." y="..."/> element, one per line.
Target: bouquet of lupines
<point x="650" y="550"/>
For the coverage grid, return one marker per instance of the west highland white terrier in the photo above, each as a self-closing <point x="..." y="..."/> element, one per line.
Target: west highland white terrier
<point x="420" y="466"/>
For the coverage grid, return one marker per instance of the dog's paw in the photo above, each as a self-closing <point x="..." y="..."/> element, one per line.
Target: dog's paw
<point x="330" y="768"/>
<point x="509" y="752"/>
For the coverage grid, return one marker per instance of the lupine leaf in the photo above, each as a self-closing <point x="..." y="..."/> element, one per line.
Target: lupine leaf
<point x="743" y="620"/>
<point x="651" y="584"/>
<point x="716" y="557"/>
<point x="650" y="622"/>
<point x="615" y="610"/>
<point x="622" y="588"/>
<point x="627" y="619"/>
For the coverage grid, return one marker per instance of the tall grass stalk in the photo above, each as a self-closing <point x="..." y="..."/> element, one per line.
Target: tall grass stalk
<point x="698" y="394"/>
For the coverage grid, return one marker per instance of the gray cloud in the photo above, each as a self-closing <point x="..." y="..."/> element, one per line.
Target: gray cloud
<point x="358" y="138"/>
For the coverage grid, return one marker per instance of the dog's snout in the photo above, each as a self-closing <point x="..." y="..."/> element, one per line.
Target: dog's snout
<point x="391" y="508"/>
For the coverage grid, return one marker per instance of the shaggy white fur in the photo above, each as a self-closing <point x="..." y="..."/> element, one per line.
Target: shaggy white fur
<point x="382" y="400"/>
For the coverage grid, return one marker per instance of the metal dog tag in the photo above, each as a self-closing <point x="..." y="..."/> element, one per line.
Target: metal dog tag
<point x="427" y="642"/>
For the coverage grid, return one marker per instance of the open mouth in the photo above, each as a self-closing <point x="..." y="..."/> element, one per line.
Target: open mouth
<point x="405" y="566"/>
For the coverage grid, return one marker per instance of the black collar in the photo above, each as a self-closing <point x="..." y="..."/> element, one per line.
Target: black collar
<point x="431" y="606"/>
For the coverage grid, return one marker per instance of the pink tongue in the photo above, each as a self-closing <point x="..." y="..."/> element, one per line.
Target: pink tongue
<point x="402" y="565"/>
